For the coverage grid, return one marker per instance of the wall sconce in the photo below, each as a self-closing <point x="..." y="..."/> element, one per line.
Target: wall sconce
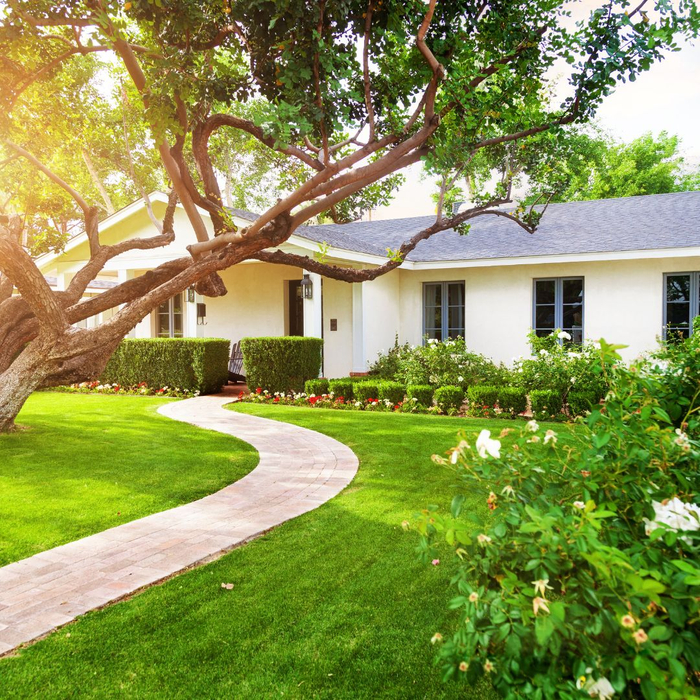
<point x="201" y="314"/>
<point x="190" y="295"/>
<point x="307" y="287"/>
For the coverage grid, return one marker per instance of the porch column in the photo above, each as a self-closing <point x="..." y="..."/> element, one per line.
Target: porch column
<point x="313" y="308"/>
<point x="359" y="358"/>
<point x="190" y="326"/>
<point x="143" y="327"/>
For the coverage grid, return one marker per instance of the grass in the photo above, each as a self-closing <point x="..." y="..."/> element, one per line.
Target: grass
<point x="88" y="463"/>
<point x="330" y="605"/>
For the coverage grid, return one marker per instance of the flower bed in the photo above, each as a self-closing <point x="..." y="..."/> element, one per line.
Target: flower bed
<point x="141" y="389"/>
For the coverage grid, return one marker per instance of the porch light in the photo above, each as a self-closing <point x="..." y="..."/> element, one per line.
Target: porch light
<point x="307" y="287"/>
<point x="190" y="295"/>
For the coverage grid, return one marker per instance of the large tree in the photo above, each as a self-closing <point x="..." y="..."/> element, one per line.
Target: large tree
<point x="349" y="93"/>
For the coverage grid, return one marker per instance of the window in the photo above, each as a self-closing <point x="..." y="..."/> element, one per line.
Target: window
<point x="443" y="310"/>
<point x="168" y="318"/>
<point x="681" y="302"/>
<point x="559" y="304"/>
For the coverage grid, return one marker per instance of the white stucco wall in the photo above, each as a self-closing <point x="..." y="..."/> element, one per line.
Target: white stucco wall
<point x="337" y="304"/>
<point x="623" y="302"/>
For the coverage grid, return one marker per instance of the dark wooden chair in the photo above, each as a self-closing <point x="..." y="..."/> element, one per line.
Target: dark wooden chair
<point x="235" y="364"/>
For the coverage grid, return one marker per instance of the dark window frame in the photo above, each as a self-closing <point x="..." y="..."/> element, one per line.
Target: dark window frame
<point x="444" y="308"/>
<point x="693" y="303"/>
<point x="559" y="303"/>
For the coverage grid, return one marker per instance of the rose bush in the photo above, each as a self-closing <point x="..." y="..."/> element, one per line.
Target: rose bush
<point x="581" y="578"/>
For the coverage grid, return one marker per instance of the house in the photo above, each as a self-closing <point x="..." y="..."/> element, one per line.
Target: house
<point x="621" y="269"/>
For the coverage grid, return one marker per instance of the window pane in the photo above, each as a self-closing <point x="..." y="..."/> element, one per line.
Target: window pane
<point x="177" y="326"/>
<point x="542" y="333"/>
<point x="433" y="295"/>
<point x="456" y="320"/>
<point x="163" y="325"/>
<point x="576" y="336"/>
<point x="573" y="316"/>
<point x="678" y="288"/>
<point x="544" y="291"/>
<point x="678" y="314"/>
<point x="455" y="294"/>
<point x="573" y="291"/>
<point x="177" y="303"/>
<point x="164" y="308"/>
<point x="544" y="317"/>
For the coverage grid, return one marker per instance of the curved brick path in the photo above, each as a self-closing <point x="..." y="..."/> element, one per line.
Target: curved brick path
<point x="299" y="470"/>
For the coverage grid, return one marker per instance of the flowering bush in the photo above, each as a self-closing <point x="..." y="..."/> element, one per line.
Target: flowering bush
<point x="439" y="364"/>
<point x="560" y="367"/>
<point x="582" y="577"/>
<point x="141" y="389"/>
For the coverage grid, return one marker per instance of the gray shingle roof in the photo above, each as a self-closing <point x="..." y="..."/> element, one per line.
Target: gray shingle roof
<point x="598" y="226"/>
<point x="243" y="214"/>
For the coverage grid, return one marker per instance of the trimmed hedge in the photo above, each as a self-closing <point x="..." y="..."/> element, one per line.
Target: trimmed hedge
<point x="512" y="400"/>
<point x="449" y="398"/>
<point x="580" y="402"/>
<point x="281" y="363"/>
<point x="392" y="391"/>
<point x="342" y="387"/>
<point x="316" y="387"/>
<point x="546" y="404"/>
<point x="423" y="393"/>
<point x="482" y="398"/>
<point x="366" y="390"/>
<point x="194" y="364"/>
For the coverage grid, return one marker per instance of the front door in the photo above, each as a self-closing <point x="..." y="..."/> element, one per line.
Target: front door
<point x="296" y="308"/>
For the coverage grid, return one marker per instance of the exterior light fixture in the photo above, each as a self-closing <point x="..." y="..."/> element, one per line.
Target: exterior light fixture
<point x="307" y="287"/>
<point x="190" y="295"/>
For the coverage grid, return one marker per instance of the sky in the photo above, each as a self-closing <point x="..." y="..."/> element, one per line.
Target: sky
<point x="665" y="98"/>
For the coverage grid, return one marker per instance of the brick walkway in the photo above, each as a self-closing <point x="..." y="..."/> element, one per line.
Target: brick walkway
<point x="299" y="470"/>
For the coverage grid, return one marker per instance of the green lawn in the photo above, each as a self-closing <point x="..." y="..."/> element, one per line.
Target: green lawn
<point x="330" y="605"/>
<point x="89" y="462"/>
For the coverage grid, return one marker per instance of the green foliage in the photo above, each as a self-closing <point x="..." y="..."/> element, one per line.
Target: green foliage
<point x="448" y="362"/>
<point x="579" y="402"/>
<point x="512" y="400"/>
<point x="546" y="404"/>
<point x="482" y="400"/>
<point x="281" y="363"/>
<point x="449" y="399"/>
<point x="342" y="387"/>
<point x="193" y="364"/>
<point x="366" y="390"/>
<point x="557" y="365"/>
<point x="580" y="575"/>
<point x="392" y="391"/>
<point x="423" y="393"/>
<point x="387" y="365"/>
<point x="316" y="387"/>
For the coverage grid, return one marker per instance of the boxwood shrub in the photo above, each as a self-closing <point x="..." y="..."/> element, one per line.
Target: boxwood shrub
<point x="194" y="364"/>
<point x="581" y="401"/>
<point x="423" y="393"/>
<point x="449" y="398"/>
<point x="316" y="387"/>
<point x="342" y="387"/>
<point x="546" y="404"/>
<point x="512" y="400"/>
<point x="482" y="400"/>
<point x="281" y="363"/>
<point x="366" y="390"/>
<point x="392" y="391"/>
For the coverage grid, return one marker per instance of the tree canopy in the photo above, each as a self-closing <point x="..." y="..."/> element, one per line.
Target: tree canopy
<point x="345" y="93"/>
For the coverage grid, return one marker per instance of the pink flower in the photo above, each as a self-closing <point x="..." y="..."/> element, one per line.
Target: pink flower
<point x="435" y="562"/>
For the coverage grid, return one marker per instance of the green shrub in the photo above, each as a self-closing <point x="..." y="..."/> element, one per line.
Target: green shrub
<point x="545" y="404"/>
<point x="366" y="390"/>
<point x="392" y="391"/>
<point x="281" y="364"/>
<point x="387" y="365"/>
<point x="512" y="400"/>
<point x="449" y="398"/>
<point x="580" y="402"/>
<point x="482" y="400"/>
<point x="317" y="387"/>
<point x="193" y="364"/>
<point x="583" y="579"/>
<point x="423" y="393"/>
<point x="342" y="387"/>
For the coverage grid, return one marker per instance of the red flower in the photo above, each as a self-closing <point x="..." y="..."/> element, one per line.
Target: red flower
<point x="258" y="390"/>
